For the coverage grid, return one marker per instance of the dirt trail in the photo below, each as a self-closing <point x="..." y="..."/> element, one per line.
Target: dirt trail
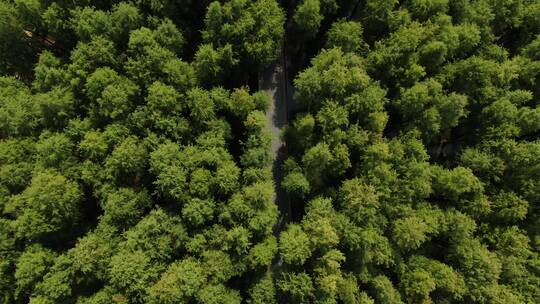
<point x="274" y="81"/>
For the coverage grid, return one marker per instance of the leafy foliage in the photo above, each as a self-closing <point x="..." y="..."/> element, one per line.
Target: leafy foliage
<point x="136" y="160"/>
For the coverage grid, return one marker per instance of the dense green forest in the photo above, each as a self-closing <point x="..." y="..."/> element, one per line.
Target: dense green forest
<point x="136" y="161"/>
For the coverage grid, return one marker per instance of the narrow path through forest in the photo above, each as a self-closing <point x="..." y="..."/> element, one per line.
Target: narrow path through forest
<point x="274" y="81"/>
